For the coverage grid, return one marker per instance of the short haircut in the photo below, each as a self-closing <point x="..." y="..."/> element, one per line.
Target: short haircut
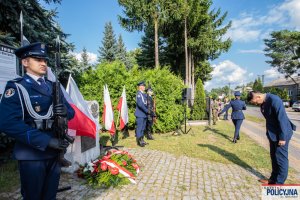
<point x="251" y="95"/>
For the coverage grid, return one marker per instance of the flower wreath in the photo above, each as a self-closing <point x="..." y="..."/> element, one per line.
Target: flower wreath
<point x="115" y="168"/>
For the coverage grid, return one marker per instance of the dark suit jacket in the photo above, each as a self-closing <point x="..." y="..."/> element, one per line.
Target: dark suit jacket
<point x="278" y="125"/>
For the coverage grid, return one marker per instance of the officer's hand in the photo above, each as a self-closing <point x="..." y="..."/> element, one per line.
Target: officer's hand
<point x="60" y="110"/>
<point x="55" y="143"/>
<point x="281" y="143"/>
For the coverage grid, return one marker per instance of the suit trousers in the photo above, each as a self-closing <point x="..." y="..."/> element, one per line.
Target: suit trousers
<point x="140" y="126"/>
<point x="280" y="162"/>
<point x="39" y="178"/>
<point x="237" y="124"/>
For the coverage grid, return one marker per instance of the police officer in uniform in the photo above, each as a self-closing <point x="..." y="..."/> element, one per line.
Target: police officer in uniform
<point x="150" y="115"/>
<point x="279" y="132"/>
<point x="141" y="112"/>
<point x="26" y="111"/>
<point x="237" y="114"/>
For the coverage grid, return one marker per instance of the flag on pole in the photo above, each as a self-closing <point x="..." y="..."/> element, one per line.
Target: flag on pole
<point x="83" y="123"/>
<point x="108" y="114"/>
<point x="123" y="110"/>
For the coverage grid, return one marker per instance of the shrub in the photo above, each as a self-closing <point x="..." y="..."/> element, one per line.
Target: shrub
<point x="166" y="86"/>
<point x="199" y="102"/>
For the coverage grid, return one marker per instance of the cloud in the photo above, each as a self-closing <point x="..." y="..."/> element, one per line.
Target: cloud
<point x="251" y="27"/>
<point x="272" y="73"/>
<point x="292" y="7"/>
<point x="251" y="51"/>
<point x="226" y="72"/>
<point x="92" y="58"/>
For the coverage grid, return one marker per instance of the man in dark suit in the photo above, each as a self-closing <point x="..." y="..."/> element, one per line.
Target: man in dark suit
<point x="279" y="132"/>
<point x="237" y="114"/>
<point x="26" y="114"/>
<point x="141" y="112"/>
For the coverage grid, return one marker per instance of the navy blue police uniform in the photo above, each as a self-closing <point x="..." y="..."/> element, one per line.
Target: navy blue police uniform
<point x="237" y="114"/>
<point x="279" y="127"/>
<point x="23" y="103"/>
<point x="141" y="112"/>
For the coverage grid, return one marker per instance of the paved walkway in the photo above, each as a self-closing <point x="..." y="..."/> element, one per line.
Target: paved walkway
<point x="164" y="176"/>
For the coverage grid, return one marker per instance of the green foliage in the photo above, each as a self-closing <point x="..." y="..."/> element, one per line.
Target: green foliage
<point x="284" y="50"/>
<point x="38" y="25"/>
<point x="199" y="102"/>
<point x="121" y="51"/>
<point x="283" y="94"/>
<point x="108" y="49"/>
<point x="147" y="57"/>
<point x="84" y="59"/>
<point x="257" y="85"/>
<point x="166" y="86"/>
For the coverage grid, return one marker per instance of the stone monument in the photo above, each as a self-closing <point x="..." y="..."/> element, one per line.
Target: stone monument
<point x="84" y="149"/>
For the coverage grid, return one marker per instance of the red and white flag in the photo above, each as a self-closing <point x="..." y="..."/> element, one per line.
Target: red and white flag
<point x="108" y="114"/>
<point x="83" y="123"/>
<point x="123" y="110"/>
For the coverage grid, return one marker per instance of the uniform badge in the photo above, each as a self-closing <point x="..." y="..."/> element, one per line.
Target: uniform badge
<point x="37" y="108"/>
<point x="9" y="92"/>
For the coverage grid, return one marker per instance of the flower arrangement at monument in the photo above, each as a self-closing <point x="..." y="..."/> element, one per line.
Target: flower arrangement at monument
<point x="115" y="168"/>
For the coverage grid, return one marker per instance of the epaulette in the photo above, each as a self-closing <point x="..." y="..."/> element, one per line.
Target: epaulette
<point x="17" y="79"/>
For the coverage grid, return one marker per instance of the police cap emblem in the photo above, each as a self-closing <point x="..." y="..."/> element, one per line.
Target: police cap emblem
<point x="9" y="92"/>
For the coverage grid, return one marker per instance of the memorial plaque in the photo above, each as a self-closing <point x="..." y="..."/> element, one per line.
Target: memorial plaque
<point x="8" y="65"/>
<point x="87" y="143"/>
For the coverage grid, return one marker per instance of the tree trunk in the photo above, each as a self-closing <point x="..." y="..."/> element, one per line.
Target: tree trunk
<point x="186" y="54"/>
<point x="156" y="42"/>
<point x="193" y="78"/>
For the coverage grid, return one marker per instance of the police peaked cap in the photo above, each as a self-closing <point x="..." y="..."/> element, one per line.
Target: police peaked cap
<point x="35" y="50"/>
<point x="237" y="93"/>
<point x="141" y="83"/>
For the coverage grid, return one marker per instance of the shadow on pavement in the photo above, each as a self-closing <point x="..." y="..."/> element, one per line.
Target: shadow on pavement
<point x="234" y="159"/>
<point x="207" y="128"/>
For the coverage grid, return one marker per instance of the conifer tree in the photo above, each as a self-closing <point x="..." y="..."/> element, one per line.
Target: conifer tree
<point x="84" y="59"/>
<point x="108" y="49"/>
<point x="199" y="102"/>
<point x="121" y="50"/>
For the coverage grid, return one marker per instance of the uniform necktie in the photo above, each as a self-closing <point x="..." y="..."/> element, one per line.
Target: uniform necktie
<point x="43" y="84"/>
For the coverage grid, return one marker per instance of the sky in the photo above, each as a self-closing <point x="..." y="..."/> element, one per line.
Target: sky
<point x="252" y="22"/>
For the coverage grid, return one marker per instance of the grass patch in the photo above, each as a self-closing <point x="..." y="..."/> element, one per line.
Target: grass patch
<point x="9" y="176"/>
<point x="212" y="144"/>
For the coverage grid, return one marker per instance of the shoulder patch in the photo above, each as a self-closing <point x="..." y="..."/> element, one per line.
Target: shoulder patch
<point x="9" y="92"/>
<point x="138" y="96"/>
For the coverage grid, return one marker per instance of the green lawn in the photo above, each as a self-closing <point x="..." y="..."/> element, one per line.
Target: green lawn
<point x="255" y="119"/>
<point x="9" y="176"/>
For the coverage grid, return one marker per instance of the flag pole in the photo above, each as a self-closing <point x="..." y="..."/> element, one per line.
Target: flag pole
<point x="21" y="28"/>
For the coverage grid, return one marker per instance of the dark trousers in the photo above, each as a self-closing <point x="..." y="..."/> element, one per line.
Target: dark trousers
<point x="140" y="126"/>
<point x="280" y="162"/>
<point x="237" y="124"/>
<point x="226" y="115"/>
<point x="39" y="179"/>
<point x="149" y="125"/>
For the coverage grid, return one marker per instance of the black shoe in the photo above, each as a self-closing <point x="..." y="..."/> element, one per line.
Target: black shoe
<point x="234" y="140"/>
<point x="141" y="142"/>
<point x="238" y="137"/>
<point x="149" y="137"/>
<point x="64" y="162"/>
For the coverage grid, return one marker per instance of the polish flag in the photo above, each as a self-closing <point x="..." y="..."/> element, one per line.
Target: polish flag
<point x="108" y="114"/>
<point x="123" y="110"/>
<point x="83" y="123"/>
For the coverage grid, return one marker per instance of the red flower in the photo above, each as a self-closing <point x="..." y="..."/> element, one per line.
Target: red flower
<point x="124" y="162"/>
<point x="114" y="171"/>
<point x="103" y="166"/>
<point x="105" y="157"/>
<point x="135" y="166"/>
<point x="133" y="160"/>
